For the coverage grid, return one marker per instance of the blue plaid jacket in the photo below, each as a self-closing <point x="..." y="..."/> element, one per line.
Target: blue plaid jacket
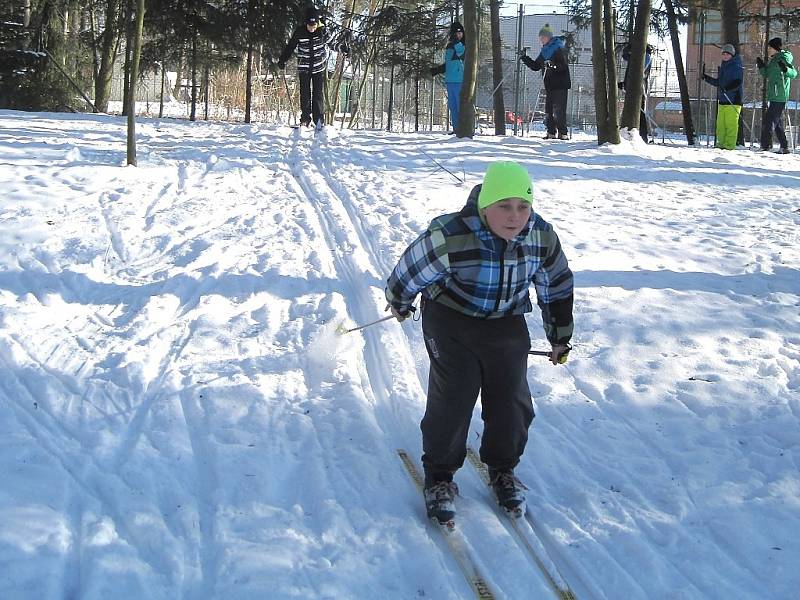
<point x="461" y="264"/>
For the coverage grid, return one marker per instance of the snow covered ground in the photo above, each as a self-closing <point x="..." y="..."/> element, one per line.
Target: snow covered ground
<point x="178" y="418"/>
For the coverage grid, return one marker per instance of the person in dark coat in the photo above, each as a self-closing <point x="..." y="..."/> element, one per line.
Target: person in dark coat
<point x="730" y="91"/>
<point x="644" y="129"/>
<point x="553" y="61"/>
<point x="311" y="40"/>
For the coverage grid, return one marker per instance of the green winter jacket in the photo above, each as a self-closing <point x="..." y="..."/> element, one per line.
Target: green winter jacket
<point x="778" y="82"/>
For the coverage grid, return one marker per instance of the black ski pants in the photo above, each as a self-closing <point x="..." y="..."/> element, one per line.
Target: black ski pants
<point x="312" y="93"/>
<point x="470" y="356"/>
<point x="773" y="118"/>
<point x="555" y="108"/>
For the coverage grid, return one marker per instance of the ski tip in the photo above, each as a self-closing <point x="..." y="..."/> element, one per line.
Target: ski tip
<point x="449" y="526"/>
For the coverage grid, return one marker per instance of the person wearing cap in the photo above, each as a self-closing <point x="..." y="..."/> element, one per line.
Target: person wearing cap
<point x="454" y="71"/>
<point x="552" y="60"/>
<point x="778" y="72"/>
<point x="644" y="130"/>
<point x="311" y="40"/>
<point x="730" y="91"/>
<point x="473" y="269"/>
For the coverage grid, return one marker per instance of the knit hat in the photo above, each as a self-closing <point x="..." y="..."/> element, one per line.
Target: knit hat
<point x="456" y="26"/>
<point x="546" y="31"/>
<point x="505" y="179"/>
<point x="729" y="49"/>
<point x="313" y="15"/>
<point x="775" y="43"/>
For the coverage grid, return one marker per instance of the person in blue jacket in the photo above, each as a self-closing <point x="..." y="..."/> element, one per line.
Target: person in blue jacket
<point x="553" y="61"/>
<point x="730" y="90"/>
<point x="454" y="70"/>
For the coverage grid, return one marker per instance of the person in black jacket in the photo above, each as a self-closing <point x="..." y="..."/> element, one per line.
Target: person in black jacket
<point x="311" y="41"/>
<point x="553" y="60"/>
<point x="648" y="61"/>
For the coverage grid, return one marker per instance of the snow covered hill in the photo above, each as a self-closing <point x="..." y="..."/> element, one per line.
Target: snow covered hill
<point x="180" y="420"/>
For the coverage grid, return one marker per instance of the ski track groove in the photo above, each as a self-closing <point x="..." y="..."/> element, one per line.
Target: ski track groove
<point x="74" y="463"/>
<point x="378" y="375"/>
<point x="378" y="370"/>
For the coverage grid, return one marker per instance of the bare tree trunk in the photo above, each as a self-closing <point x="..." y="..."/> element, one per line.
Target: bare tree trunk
<point x="108" y="51"/>
<point x="634" y="87"/>
<point x="193" y="112"/>
<point x="26" y="13"/>
<point x="135" y="54"/>
<point x="248" y="92"/>
<point x="332" y="104"/>
<point x="672" y="23"/>
<point x="466" y="111"/>
<point x="498" y="101"/>
<point x="129" y="33"/>
<point x="609" y="31"/>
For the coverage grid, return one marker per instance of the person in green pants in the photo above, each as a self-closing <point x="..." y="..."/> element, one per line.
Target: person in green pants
<point x="779" y="72"/>
<point x="729" y="97"/>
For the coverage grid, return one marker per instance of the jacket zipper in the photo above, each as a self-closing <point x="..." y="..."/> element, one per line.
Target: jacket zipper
<point x="500" y="284"/>
<point x="508" y="285"/>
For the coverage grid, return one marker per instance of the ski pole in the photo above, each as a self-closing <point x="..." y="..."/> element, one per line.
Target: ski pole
<point x="289" y="96"/>
<point x="562" y="358"/>
<point x="341" y="330"/>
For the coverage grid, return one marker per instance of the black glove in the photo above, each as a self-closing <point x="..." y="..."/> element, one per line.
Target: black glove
<point x="344" y="49"/>
<point x="621" y="85"/>
<point x="759" y="62"/>
<point x="281" y="65"/>
<point x="782" y="66"/>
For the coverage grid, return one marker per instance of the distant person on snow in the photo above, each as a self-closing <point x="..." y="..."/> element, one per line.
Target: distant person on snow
<point x="779" y="72"/>
<point x="644" y="130"/>
<point x="553" y="60"/>
<point x="311" y="40"/>
<point x="730" y="91"/>
<point x="453" y="69"/>
<point x="474" y="269"/>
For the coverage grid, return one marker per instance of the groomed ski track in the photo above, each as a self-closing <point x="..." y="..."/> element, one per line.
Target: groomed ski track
<point x="178" y="420"/>
<point x="386" y="358"/>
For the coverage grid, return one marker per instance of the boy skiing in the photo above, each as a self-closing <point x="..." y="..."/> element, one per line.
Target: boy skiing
<point x="474" y="269"/>
<point x="311" y="41"/>
<point x="730" y="92"/>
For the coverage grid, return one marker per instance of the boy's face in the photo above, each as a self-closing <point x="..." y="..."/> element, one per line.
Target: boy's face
<point x="543" y="39"/>
<point x="726" y="56"/>
<point x="312" y="27"/>
<point x="459" y="34"/>
<point x="771" y="51"/>
<point x="508" y="217"/>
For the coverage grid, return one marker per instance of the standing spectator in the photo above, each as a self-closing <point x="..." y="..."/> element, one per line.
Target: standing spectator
<point x="729" y="97"/>
<point x="311" y="40"/>
<point x="644" y="130"/>
<point x="454" y="71"/>
<point x="553" y="60"/>
<point x="779" y="72"/>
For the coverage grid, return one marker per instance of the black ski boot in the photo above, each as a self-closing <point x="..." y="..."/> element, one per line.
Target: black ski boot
<point x="509" y="490"/>
<point x="440" y="501"/>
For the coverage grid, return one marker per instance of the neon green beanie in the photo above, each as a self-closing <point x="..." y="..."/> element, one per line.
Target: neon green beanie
<point x="505" y="179"/>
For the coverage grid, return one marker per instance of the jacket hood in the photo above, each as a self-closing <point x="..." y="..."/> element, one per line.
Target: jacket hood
<point x="785" y="56"/>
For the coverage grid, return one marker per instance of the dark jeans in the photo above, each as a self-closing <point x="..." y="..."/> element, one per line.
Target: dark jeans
<point x="773" y="118"/>
<point x="555" y="107"/>
<point x="311" y="101"/>
<point x="469" y="356"/>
